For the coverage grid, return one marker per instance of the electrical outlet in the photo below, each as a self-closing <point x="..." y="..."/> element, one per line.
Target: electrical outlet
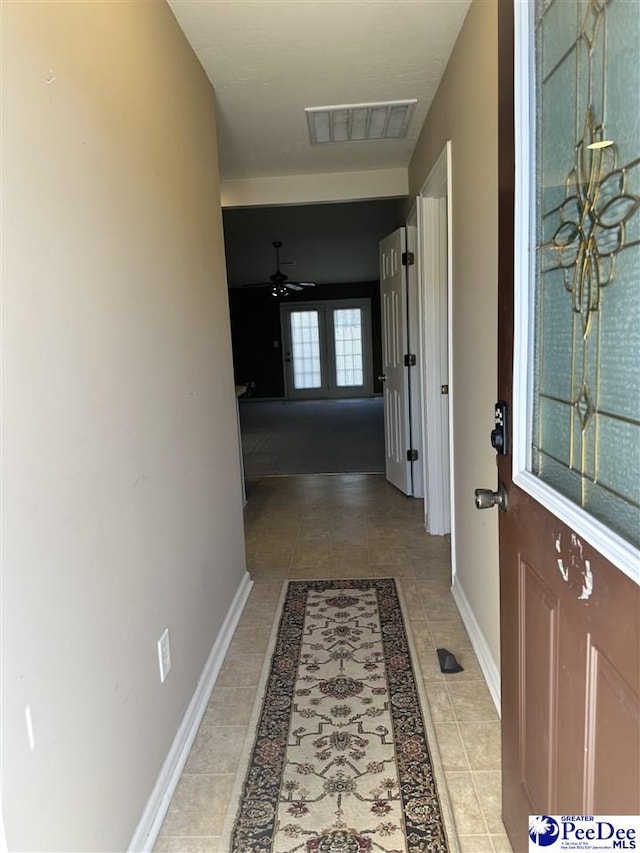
<point x="164" y="654"/>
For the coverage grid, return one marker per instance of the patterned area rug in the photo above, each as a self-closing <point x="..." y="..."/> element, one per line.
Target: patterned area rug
<point x="340" y="762"/>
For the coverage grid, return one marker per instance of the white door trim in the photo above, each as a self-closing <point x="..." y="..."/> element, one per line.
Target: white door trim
<point x="435" y="313"/>
<point x="414" y="326"/>
<point x="436" y="346"/>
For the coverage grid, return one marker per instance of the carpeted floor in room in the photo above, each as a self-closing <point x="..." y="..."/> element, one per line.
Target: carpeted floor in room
<point x="312" y="436"/>
<point x="350" y="526"/>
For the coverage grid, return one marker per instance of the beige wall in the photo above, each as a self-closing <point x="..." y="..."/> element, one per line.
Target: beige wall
<point x="122" y="508"/>
<point x="465" y="111"/>
<point x="313" y="189"/>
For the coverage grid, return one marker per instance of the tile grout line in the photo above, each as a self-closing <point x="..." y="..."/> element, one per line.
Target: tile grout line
<point x="464" y="747"/>
<point x="410" y="563"/>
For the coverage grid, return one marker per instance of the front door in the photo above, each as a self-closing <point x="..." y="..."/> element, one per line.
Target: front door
<point x="570" y="602"/>
<point x="395" y="379"/>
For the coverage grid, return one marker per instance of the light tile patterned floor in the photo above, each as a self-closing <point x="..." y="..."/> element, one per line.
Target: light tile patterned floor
<point x="352" y="525"/>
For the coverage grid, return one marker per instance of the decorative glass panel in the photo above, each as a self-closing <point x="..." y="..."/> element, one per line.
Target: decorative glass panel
<point x="347" y="332"/>
<point x="586" y="418"/>
<point x="305" y="349"/>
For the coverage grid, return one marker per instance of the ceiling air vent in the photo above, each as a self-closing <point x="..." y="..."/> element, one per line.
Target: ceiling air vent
<point x="359" y="122"/>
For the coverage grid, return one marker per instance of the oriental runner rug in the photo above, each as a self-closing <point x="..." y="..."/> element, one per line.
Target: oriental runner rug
<point x="340" y="761"/>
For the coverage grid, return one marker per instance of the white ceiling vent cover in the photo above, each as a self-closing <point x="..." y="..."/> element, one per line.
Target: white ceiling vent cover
<point x="359" y="122"/>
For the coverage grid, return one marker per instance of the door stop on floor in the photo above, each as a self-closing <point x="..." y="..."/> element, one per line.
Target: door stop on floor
<point x="448" y="662"/>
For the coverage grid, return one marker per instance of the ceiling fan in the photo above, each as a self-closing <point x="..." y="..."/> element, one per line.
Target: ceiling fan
<point x="279" y="282"/>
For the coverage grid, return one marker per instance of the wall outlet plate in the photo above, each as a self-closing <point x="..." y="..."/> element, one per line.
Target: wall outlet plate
<point x="164" y="655"/>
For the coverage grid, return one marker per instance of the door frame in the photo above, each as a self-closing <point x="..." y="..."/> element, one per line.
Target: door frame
<point x="415" y="336"/>
<point x="436" y="347"/>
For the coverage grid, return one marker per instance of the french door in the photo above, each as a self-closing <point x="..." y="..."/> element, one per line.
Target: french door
<point x="569" y="308"/>
<point x="327" y="349"/>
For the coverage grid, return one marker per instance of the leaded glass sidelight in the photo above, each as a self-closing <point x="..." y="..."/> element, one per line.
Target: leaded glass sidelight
<point x="586" y="407"/>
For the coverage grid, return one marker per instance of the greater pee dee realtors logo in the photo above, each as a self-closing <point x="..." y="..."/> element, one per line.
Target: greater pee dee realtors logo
<point x="583" y="832"/>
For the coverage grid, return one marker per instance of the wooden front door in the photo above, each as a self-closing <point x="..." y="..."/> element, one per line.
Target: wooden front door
<point x="570" y="602"/>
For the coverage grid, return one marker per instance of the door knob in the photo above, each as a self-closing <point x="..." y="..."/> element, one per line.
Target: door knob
<point x="485" y="498"/>
<point x="382" y="377"/>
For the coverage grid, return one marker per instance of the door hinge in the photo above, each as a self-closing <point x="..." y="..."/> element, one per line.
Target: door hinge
<point x="408" y="259"/>
<point x="444" y="389"/>
<point x="409" y="360"/>
<point x="412" y="455"/>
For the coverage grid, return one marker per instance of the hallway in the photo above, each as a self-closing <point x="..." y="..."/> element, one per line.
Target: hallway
<point x="352" y="525"/>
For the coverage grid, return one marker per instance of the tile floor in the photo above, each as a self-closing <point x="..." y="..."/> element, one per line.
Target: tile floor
<point x="352" y="525"/>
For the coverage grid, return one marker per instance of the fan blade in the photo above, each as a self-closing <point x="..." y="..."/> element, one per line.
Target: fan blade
<point x="261" y="284"/>
<point x="292" y="285"/>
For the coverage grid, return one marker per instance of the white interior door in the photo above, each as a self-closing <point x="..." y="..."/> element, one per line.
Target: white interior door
<point x="415" y="321"/>
<point x="393" y="298"/>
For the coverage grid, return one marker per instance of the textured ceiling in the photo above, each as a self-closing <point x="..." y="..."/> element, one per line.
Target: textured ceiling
<point x="268" y="59"/>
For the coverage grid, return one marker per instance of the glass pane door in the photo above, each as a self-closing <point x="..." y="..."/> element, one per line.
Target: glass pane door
<point x="585" y="440"/>
<point x="347" y="339"/>
<point x="327" y="349"/>
<point x="305" y="349"/>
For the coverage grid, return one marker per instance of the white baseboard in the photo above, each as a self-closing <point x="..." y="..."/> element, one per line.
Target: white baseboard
<point x="154" y="813"/>
<point x="488" y="665"/>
